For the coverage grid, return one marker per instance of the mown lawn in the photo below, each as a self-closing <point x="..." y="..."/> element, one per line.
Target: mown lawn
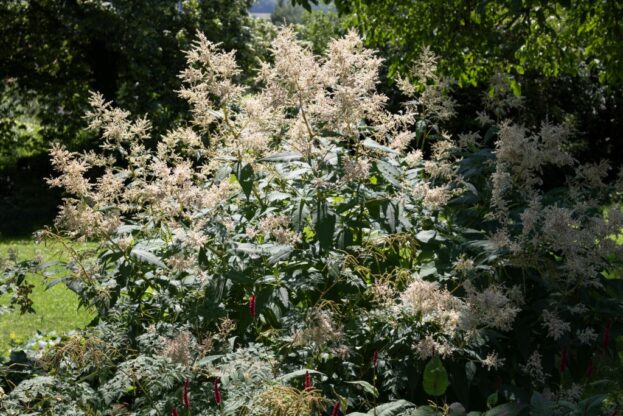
<point x="56" y="308"/>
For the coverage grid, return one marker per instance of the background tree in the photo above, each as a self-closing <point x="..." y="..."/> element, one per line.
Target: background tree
<point x="476" y="38"/>
<point x="286" y="13"/>
<point x="52" y="52"/>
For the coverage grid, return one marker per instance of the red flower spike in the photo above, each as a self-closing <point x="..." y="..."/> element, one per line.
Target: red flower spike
<point x="336" y="409"/>
<point x="174" y="411"/>
<point x="564" y="360"/>
<point x="252" y="306"/>
<point x="185" y="399"/>
<point x="217" y="391"/>
<point x="307" y="384"/>
<point x="589" y="369"/>
<point x="606" y="342"/>
<point x="375" y="359"/>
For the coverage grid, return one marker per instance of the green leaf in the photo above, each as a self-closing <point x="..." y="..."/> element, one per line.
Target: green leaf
<point x="209" y="359"/>
<point x="507" y="409"/>
<point x="324" y="226"/>
<point x="389" y="172"/>
<point x="147" y="257"/>
<point x="425" y="411"/>
<point x="279" y="252"/>
<point x="245" y="178"/>
<point x="299" y="214"/>
<point x="391" y="409"/>
<point x="298" y="373"/>
<point x="470" y="371"/>
<point x="492" y="400"/>
<point x="371" y="144"/>
<point x="435" y="378"/>
<point x="426" y="235"/>
<point x="282" y="157"/>
<point x="367" y="387"/>
<point x="592" y="405"/>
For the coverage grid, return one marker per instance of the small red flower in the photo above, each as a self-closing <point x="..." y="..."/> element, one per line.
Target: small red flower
<point x="375" y="359"/>
<point x="174" y="411"/>
<point x="252" y="306"/>
<point x="185" y="399"/>
<point x="606" y="342"/>
<point x="217" y="391"/>
<point x="307" y="383"/>
<point x="564" y="360"/>
<point x="336" y="409"/>
<point x="589" y="369"/>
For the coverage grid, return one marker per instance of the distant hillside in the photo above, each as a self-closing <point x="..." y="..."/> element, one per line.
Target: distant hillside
<point x="267" y="6"/>
<point x="263" y="6"/>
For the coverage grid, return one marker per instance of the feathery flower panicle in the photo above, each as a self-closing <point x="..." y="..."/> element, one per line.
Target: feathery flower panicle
<point x="414" y="158"/>
<point x="433" y="304"/>
<point x="428" y="347"/>
<point x="321" y="329"/>
<point x="439" y="170"/>
<point x="432" y="197"/>
<point x="492" y="361"/>
<point x="279" y="228"/>
<point x="489" y="308"/>
<point x="555" y="326"/>
<point x="178" y="349"/>
<point x="356" y="170"/>
<point x="586" y="336"/>
<point x="402" y="140"/>
<point x="463" y="265"/>
<point x="534" y="368"/>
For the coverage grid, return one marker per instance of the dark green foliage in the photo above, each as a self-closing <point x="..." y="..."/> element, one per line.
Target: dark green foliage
<point x="130" y="51"/>
<point x="476" y="38"/>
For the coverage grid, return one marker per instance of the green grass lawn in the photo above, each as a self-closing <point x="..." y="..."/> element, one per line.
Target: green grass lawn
<point x="56" y="308"/>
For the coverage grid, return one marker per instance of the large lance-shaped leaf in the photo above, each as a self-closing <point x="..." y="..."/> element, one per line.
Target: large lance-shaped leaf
<point x="283" y="157"/>
<point x="435" y="377"/>
<point x="297" y="373"/>
<point x="425" y="235"/>
<point x="371" y="144"/>
<point x="244" y="174"/>
<point x="325" y="226"/>
<point x="147" y="257"/>
<point x="389" y="172"/>
<point x="367" y="387"/>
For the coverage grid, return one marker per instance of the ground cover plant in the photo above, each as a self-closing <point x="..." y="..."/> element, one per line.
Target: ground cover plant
<point x="296" y="249"/>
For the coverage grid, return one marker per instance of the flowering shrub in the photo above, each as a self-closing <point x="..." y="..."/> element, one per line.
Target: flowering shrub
<point x="297" y="249"/>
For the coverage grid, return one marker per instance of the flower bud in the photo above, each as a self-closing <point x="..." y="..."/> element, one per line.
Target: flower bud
<point x="252" y="306"/>
<point x="217" y="391"/>
<point x="307" y="384"/>
<point x="336" y="409"/>
<point x="185" y="398"/>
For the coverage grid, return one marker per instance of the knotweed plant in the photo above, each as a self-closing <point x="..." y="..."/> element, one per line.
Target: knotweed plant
<point x="297" y="229"/>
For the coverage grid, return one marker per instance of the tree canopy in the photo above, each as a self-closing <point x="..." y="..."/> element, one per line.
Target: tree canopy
<point x="129" y="50"/>
<point x="476" y="38"/>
